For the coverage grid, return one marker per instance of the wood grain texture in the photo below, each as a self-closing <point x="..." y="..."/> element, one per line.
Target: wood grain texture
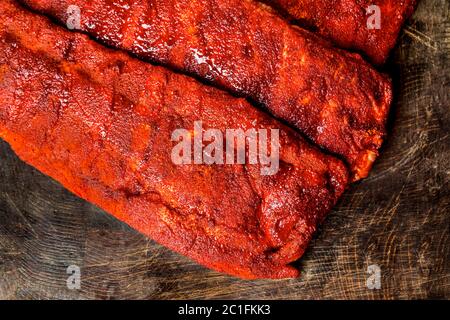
<point x="398" y="218"/>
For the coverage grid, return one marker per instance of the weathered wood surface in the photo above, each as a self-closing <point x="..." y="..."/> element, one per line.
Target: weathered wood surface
<point x="398" y="219"/>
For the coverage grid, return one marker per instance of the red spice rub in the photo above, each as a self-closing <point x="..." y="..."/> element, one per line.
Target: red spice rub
<point x="100" y="123"/>
<point x="334" y="97"/>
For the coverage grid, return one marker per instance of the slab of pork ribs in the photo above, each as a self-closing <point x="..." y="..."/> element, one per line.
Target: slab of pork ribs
<point x="353" y="24"/>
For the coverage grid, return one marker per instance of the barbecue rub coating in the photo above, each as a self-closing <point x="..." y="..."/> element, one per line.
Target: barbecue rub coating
<point x="100" y="123"/>
<point x="345" y="22"/>
<point x="334" y="97"/>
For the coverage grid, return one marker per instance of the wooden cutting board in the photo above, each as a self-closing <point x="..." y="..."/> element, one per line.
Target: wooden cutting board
<point x="398" y="219"/>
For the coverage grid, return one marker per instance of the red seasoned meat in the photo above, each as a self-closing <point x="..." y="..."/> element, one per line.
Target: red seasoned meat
<point x="345" y="22"/>
<point x="100" y="123"/>
<point x="334" y="97"/>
